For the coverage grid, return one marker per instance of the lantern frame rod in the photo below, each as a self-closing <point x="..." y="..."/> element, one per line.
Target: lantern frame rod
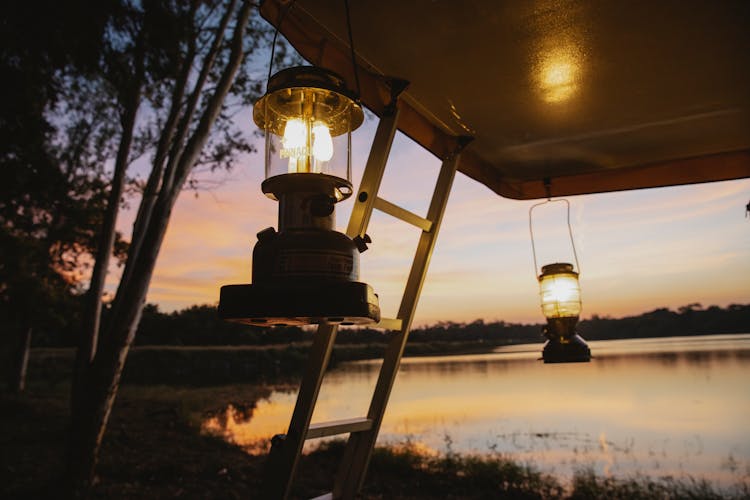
<point x="570" y="232"/>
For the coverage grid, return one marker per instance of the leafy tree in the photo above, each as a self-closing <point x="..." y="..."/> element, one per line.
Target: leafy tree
<point x="176" y="73"/>
<point x="50" y="198"/>
<point x="101" y="85"/>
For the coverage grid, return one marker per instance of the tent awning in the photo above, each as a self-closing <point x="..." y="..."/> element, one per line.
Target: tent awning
<point x="596" y="96"/>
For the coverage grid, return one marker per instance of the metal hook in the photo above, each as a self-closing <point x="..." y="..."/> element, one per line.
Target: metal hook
<point x="548" y="188"/>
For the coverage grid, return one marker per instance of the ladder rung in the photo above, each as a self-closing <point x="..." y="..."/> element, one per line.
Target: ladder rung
<point x="389" y="324"/>
<point x="403" y="214"/>
<point x="335" y="427"/>
<point x="327" y="496"/>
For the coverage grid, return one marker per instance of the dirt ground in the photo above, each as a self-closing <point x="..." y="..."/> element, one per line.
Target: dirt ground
<point x="153" y="447"/>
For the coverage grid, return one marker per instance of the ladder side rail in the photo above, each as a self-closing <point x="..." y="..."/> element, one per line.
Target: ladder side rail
<point x="359" y="447"/>
<point x="284" y="455"/>
<point x="285" y="451"/>
<point x="367" y="193"/>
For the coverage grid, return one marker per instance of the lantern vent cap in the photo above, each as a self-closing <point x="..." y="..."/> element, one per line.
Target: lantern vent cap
<point x="558" y="268"/>
<point x="286" y="81"/>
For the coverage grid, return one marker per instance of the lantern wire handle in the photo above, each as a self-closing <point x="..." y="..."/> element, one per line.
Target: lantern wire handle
<point x="282" y="15"/>
<point x="570" y="230"/>
<point x="351" y="46"/>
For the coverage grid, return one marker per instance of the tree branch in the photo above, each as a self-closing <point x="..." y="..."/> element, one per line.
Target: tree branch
<point x="213" y="108"/>
<point x="150" y="193"/>
<point x="88" y="345"/>
<point x="187" y="117"/>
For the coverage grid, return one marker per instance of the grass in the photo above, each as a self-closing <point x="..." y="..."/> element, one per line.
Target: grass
<point x="588" y="485"/>
<point x="457" y="476"/>
<point x="154" y="449"/>
<point x="406" y="472"/>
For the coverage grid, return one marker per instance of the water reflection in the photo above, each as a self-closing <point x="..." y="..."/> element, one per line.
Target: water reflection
<point x="658" y="406"/>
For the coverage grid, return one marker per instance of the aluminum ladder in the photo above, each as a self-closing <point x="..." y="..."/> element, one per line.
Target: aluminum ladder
<point x="363" y="431"/>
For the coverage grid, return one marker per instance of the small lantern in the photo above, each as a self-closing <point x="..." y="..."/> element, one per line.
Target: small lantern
<point x="560" y="295"/>
<point x="306" y="273"/>
<point x="561" y="305"/>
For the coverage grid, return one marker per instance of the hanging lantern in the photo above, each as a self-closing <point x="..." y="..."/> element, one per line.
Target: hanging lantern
<point x="560" y="295"/>
<point x="306" y="273"/>
<point x="561" y="304"/>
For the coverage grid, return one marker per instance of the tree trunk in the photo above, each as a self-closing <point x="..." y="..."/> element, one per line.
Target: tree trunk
<point x="162" y="172"/>
<point x="20" y="360"/>
<point x="92" y="315"/>
<point x="83" y="377"/>
<point x="81" y="390"/>
<point x="99" y="389"/>
<point x="101" y="385"/>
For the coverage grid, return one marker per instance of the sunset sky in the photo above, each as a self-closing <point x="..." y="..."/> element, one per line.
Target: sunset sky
<point x="638" y="250"/>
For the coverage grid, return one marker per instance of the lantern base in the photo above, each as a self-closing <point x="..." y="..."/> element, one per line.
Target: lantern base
<point x="261" y="304"/>
<point x="571" y="350"/>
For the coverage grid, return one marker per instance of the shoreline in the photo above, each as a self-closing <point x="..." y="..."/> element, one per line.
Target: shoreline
<point x="154" y="449"/>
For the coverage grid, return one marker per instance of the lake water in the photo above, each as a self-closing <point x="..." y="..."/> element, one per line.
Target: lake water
<point x="669" y="406"/>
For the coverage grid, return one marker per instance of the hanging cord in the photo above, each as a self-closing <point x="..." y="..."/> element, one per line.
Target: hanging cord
<point x="282" y="15"/>
<point x="351" y="46"/>
<point x="570" y="232"/>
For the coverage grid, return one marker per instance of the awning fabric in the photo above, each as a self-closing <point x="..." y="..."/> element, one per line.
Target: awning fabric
<point x="594" y="96"/>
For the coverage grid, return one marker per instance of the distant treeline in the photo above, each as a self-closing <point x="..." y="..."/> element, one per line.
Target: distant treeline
<point x="200" y="325"/>
<point x="185" y="355"/>
<point x="687" y="320"/>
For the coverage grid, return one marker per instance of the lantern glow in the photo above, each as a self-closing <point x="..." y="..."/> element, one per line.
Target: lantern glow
<point x="307" y="116"/>
<point x="560" y="291"/>
<point x="322" y="146"/>
<point x="560" y="296"/>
